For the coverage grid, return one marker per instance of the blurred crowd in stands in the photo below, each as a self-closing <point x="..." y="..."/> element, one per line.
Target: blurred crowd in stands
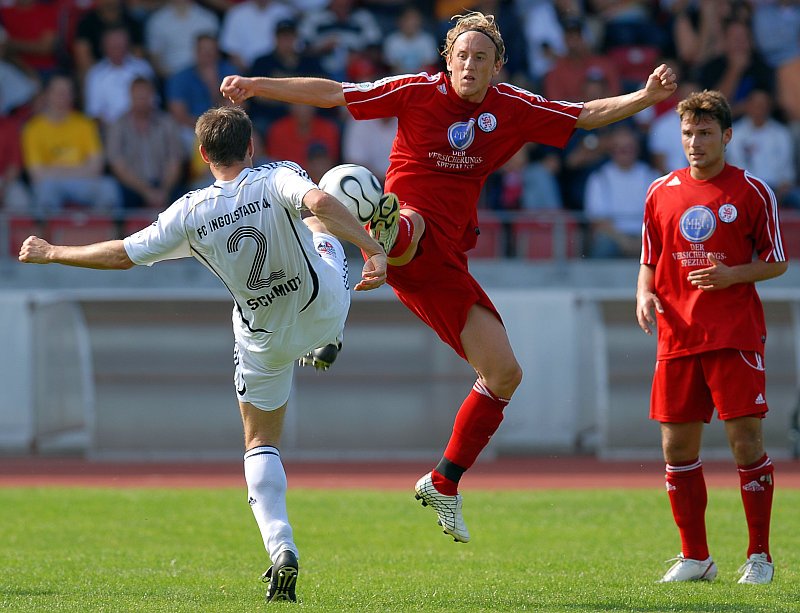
<point x="98" y="98"/>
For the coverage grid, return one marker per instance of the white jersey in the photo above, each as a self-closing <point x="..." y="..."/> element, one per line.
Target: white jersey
<point x="249" y="233"/>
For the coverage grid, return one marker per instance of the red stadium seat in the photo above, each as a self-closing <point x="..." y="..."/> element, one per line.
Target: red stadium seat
<point x="490" y="240"/>
<point x="134" y="223"/>
<point x="80" y="229"/>
<point x="538" y="236"/>
<point x="20" y="228"/>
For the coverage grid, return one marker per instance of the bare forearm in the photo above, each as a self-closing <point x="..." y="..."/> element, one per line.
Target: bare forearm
<point x="108" y="255"/>
<point x="599" y="113"/>
<point x="340" y="222"/>
<point x="646" y="282"/>
<point x="758" y="270"/>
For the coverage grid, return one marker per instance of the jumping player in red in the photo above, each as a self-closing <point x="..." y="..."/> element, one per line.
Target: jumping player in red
<point x="455" y="128"/>
<point x="702" y="225"/>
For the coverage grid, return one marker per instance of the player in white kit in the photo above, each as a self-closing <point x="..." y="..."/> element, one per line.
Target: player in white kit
<point x="289" y="287"/>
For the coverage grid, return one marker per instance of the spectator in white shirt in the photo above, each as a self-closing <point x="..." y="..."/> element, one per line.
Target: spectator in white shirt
<point x="171" y="33"/>
<point x="410" y="49"/>
<point x="248" y="30"/>
<point x="107" y="95"/>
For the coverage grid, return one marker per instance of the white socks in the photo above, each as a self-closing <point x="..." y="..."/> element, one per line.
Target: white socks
<point x="266" y="493"/>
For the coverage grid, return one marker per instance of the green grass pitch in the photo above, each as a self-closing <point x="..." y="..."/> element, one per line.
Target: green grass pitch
<point x="194" y="550"/>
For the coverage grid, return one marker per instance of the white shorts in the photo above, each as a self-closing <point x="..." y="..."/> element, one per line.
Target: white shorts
<point x="266" y="382"/>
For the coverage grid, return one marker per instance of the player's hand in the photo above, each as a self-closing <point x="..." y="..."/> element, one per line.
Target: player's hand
<point x="35" y="250"/>
<point x="373" y="274"/>
<point x="716" y="276"/>
<point x="237" y="89"/>
<point x="661" y="84"/>
<point x="646" y="303"/>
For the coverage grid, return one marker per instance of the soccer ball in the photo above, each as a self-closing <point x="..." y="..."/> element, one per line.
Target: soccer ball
<point x="355" y="187"/>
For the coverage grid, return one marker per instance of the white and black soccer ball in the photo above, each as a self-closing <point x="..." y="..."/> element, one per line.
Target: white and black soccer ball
<point x="356" y="187"/>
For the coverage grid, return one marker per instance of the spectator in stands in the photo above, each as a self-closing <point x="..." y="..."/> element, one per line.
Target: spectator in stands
<point x="32" y="34"/>
<point x="545" y="39"/>
<point x="14" y="196"/>
<point x="776" y="24"/>
<point x="63" y="154"/>
<point x="171" y="33"/>
<point x="319" y="161"/>
<point x="338" y="31"/>
<point x="738" y="69"/>
<point x="628" y="23"/>
<point x="697" y="29"/>
<point x="763" y="147"/>
<point x="87" y="47"/>
<point x="290" y="57"/>
<point x="192" y="91"/>
<point x="527" y="181"/>
<point x="567" y="76"/>
<point x="614" y="196"/>
<point x="17" y="88"/>
<point x="368" y="143"/>
<point x="108" y="82"/>
<point x="145" y="151"/>
<point x="410" y="48"/>
<point x="585" y="151"/>
<point x="248" y="30"/>
<point x="290" y="137"/>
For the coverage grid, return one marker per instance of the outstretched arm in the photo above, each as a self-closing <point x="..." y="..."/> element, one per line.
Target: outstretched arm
<point x="597" y="113"/>
<point x="334" y="218"/>
<point x="314" y="91"/>
<point x="108" y="255"/>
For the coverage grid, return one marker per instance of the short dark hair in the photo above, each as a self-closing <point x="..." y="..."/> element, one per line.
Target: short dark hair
<point x="707" y="104"/>
<point x="224" y="132"/>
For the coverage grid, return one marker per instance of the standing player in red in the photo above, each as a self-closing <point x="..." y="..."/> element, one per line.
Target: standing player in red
<point x="455" y="128"/>
<point x="702" y="225"/>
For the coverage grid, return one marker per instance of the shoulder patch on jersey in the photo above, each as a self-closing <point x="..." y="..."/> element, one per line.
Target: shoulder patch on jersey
<point x="727" y="213"/>
<point x="487" y="122"/>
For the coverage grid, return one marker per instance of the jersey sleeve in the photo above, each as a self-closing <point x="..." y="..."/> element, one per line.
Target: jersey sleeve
<point x="289" y="185"/>
<point x="651" y="233"/>
<point x="164" y="239"/>
<point x="384" y="97"/>
<point x="767" y="227"/>
<point x="548" y="122"/>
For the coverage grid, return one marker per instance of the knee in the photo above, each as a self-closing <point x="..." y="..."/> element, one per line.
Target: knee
<point x="746" y="450"/>
<point x="505" y="380"/>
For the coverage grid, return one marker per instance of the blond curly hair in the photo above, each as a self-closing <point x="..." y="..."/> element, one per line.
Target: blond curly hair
<point x="475" y="21"/>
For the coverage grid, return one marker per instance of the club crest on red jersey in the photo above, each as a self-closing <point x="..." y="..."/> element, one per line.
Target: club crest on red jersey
<point x="727" y="213"/>
<point x="698" y="224"/>
<point x="487" y="122"/>
<point x="461" y="134"/>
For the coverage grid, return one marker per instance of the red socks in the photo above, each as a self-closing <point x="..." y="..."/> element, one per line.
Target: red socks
<point x="757" y="486"/>
<point x="688" y="497"/>
<point x="405" y="233"/>
<point x="476" y="421"/>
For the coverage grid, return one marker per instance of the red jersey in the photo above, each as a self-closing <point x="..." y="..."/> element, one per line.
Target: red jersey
<point x="730" y="216"/>
<point x="446" y="147"/>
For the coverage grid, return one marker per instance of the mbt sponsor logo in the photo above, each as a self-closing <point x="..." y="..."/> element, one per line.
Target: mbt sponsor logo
<point x="727" y="213"/>
<point x="461" y="134"/>
<point x="487" y="122"/>
<point x="697" y="224"/>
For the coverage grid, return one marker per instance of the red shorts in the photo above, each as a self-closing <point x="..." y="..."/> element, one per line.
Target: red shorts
<point x="687" y="389"/>
<point x="438" y="288"/>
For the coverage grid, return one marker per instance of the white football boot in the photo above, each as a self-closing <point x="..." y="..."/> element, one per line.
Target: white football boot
<point x="757" y="570"/>
<point x="686" y="569"/>
<point x="448" y="508"/>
